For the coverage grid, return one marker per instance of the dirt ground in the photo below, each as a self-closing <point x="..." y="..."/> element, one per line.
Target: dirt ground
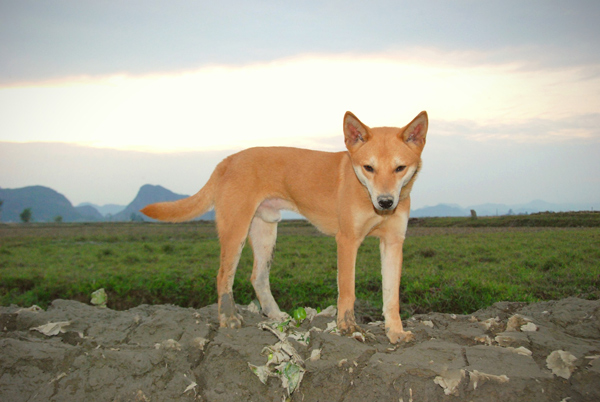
<point x="511" y="351"/>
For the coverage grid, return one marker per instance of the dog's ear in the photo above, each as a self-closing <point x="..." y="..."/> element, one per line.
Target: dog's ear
<point x="415" y="133"/>
<point x="355" y="133"/>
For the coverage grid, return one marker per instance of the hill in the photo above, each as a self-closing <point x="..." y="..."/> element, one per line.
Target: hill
<point x="45" y="203"/>
<point x="147" y="194"/>
<point x="453" y="210"/>
<point x="104" y="210"/>
<point x="89" y="213"/>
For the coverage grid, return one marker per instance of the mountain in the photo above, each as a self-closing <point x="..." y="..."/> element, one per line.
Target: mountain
<point x="46" y="204"/>
<point x="543" y="206"/>
<point x="104" y="210"/>
<point x="147" y="194"/>
<point x="531" y="208"/>
<point x="491" y="209"/>
<point x="89" y="213"/>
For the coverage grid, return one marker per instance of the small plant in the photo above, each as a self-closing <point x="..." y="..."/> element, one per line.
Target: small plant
<point x="299" y="315"/>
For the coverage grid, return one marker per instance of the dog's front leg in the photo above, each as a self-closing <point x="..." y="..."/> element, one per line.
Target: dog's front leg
<point x="346" y="254"/>
<point x="391" y="270"/>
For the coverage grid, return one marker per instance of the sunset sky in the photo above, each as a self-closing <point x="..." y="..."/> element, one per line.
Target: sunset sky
<point x="99" y="98"/>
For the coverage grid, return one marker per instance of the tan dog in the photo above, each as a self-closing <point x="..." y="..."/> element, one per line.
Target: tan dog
<point x="349" y="195"/>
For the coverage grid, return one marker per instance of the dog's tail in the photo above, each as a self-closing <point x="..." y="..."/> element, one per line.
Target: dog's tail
<point x="187" y="208"/>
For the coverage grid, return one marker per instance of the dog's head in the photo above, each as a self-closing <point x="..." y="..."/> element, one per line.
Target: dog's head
<point x="386" y="160"/>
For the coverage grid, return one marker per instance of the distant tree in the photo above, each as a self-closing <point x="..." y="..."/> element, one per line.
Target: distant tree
<point x="26" y="215"/>
<point x="1" y="202"/>
<point x="135" y="217"/>
<point x="58" y="219"/>
<point x="510" y="212"/>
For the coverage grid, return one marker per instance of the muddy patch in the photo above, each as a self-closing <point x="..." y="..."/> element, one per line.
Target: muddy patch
<point x="511" y="351"/>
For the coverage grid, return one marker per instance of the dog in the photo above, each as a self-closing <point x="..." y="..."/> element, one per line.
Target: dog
<point x="350" y="195"/>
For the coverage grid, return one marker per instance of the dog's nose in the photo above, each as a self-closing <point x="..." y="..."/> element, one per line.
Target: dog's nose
<point x="385" y="202"/>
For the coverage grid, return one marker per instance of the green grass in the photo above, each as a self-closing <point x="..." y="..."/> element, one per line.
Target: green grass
<point x="453" y="270"/>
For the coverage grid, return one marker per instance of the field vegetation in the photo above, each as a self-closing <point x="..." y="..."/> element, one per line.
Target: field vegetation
<point x="452" y="265"/>
<point x="543" y="219"/>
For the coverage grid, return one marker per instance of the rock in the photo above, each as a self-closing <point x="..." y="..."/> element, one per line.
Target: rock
<point x="180" y="354"/>
<point x="561" y="363"/>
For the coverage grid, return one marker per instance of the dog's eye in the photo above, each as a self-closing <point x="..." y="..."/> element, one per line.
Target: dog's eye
<point x="400" y="168"/>
<point x="368" y="168"/>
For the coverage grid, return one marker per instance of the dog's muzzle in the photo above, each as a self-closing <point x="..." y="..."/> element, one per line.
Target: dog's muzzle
<point x="385" y="201"/>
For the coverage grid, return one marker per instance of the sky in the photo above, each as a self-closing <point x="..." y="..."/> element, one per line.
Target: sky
<point x="99" y="98"/>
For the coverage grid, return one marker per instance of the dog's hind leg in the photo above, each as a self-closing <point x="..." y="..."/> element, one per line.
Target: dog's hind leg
<point x="263" y="234"/>
<point x="233" y="230"/>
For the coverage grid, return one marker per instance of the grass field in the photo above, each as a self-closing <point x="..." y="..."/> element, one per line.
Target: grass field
<point x="559" y="219"/>
<point x="448" y="266"/>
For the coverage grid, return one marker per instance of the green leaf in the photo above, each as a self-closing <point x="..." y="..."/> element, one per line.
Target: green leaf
<point x="99" y="298"/>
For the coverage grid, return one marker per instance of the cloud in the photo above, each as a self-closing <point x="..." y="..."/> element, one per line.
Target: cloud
<point x="70" y="38"/>
<point x="583" y="128"/>
<point x="284" y="101"/>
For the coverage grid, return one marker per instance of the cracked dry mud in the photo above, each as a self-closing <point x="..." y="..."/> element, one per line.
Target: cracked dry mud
<point x="160" y="353"/>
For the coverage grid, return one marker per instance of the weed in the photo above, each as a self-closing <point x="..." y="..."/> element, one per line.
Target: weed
<point x="427" y="252"/>
<point x="168" y="249"/>
<point x="131" y="259"/>
<point x="105" y="253"/>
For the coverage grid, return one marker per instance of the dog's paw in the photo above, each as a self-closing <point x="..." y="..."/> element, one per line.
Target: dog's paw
<point x="399" y="336"/>
<point x="233" y="322"/>
<point x="278" y="316"/>
<point x="272" y="311"/>
<point x="348" y="329"/>
<point x="346" y="323"/>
